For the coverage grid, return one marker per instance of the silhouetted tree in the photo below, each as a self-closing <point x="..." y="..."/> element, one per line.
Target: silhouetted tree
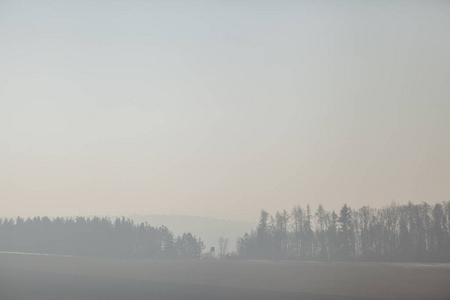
<point x="95" y="237"/>
<point x="188" y="246"/>
<point x="263" y="237"/>
<point x="346" y="249"/>
<point x="393" y="233"/>
<point x="223" y="246"/>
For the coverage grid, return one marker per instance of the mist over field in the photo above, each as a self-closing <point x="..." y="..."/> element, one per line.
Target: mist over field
<point x="209" y="229"/>
<point x="224" y="149"/>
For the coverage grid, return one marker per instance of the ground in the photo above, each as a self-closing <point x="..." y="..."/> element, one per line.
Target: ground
<point x="54" y="277"/>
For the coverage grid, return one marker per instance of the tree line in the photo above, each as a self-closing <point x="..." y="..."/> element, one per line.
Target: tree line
<point x="411" y="232"/>
<point x="96" y="237"/>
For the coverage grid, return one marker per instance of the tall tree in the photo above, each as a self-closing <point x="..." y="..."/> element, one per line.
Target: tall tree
<point x="346" y="249"/>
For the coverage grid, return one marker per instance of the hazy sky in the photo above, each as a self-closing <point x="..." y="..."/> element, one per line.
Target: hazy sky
<point x="222" y="108"/>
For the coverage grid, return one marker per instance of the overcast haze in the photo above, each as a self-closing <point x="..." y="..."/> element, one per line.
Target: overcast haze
<point x="220" y="109"/>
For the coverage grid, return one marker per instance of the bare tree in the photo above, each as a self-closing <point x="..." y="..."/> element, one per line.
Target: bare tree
<point x="223" y="247"/>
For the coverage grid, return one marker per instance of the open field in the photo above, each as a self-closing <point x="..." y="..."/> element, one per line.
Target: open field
<point x="52" y="277"/>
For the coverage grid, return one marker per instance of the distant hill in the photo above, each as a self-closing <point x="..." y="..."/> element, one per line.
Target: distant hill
<point x="208" y="229"/>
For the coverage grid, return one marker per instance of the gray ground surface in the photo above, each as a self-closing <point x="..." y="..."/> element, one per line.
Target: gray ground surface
<point x="51" y="277"/>
<point x="39" y="285"/>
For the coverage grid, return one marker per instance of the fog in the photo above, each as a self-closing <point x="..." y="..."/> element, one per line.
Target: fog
<point x="226" y="150"/>
<point x="215" y="109"/>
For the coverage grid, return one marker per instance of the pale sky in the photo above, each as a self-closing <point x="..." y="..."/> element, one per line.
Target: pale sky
<point x="222" y="108"/>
